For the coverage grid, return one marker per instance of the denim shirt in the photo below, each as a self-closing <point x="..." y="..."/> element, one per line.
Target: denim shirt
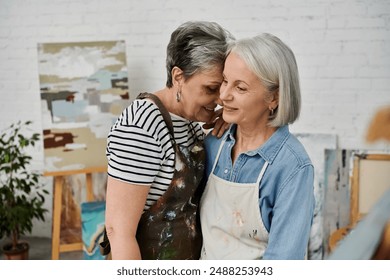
<point x="286" y="196"/>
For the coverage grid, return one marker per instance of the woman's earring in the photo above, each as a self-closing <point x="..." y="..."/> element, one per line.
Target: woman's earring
<point x="272" y="111"/>
<point x="178" y="95"/>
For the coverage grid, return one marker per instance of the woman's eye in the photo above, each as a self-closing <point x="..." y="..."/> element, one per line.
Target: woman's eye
<point x="241" y="89"/>
<point x="213" y="89"/>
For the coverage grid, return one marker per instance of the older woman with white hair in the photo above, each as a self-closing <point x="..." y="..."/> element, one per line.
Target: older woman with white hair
<point x="258" y="202"/>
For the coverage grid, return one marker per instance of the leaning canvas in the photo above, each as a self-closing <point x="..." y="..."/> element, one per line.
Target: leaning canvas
<point x="92" y="224"/>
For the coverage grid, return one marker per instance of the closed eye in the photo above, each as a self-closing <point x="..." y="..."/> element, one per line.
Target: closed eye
<point x="212" y="90"/>
<point x="241" y="89"/>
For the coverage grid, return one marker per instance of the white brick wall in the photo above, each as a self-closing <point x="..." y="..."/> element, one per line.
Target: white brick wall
<point x="342" y="48"/>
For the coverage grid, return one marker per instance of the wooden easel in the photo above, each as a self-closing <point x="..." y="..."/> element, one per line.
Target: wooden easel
<point x="58" y="177"/>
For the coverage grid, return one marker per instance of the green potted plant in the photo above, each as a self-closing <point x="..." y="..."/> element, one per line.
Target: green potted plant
<point x="21" y="192"/>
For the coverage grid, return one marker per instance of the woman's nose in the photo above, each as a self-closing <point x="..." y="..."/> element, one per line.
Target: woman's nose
<point x="224" y="93"/>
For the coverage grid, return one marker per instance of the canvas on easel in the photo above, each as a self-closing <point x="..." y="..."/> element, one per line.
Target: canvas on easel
<point x="83" y="88"/>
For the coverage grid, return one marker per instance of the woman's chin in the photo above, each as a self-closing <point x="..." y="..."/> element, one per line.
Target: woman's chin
<point x="227" y="118"/>
<point x="205" y="118"/>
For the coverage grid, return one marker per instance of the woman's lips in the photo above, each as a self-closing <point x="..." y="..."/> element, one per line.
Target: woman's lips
<point x="228" y="108"/>
<point x="209" y="108"/>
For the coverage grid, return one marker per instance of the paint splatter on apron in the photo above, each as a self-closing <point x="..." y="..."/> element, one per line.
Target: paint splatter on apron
<point x="232" y="225"/>
<point x="170" y="228"/>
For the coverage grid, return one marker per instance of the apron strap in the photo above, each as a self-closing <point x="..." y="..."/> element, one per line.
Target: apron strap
<point x="218" y="153"/>
<point x="262" y="172"/>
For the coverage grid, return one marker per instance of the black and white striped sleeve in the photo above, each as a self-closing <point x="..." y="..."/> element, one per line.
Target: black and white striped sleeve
<point x="135" y="151"/>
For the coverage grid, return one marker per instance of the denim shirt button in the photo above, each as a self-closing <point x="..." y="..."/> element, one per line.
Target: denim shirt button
<point x="226" y="171"/>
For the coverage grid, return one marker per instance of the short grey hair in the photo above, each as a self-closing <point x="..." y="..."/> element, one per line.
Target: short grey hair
<point x="274" y="64"/>
<point x="196" y="46"/>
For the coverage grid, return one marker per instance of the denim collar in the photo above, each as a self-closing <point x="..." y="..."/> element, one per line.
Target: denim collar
<point x="269" y="150"/>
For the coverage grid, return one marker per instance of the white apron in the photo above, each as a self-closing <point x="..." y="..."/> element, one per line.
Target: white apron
<point x="232" y="226"/>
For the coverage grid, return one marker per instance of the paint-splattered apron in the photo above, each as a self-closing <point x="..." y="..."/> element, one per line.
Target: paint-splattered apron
<point x="232" y="226"/>
<point x="170" y="229"/>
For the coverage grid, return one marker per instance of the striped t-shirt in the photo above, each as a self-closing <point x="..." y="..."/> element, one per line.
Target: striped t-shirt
<point x="139" y="149"/>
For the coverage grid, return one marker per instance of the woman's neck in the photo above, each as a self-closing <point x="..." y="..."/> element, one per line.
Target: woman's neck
<point x="251" y="138"/>
<point x="168" y="98"/>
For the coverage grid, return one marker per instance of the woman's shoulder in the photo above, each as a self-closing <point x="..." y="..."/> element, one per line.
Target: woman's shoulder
<point x="139" y="112"/>
<point x="142" y="116"/>
<point x="297" y="150"/>
<point x="212" y="142"/>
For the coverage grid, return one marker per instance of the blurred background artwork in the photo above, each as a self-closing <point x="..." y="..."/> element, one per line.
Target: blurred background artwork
<point x="357" y="198"/>
<point x="84" y="87"/>
<point x="92" y="218"/>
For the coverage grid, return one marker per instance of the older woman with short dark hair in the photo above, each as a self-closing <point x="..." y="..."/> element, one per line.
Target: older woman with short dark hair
<point x="155" y="152"/>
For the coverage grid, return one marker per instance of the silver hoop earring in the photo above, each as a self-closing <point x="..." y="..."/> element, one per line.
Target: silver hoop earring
<point x="178" y="96"/>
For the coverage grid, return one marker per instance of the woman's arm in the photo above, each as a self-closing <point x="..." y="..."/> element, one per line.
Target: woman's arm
<point x="124" y="206"/>
<point x="292" y="217"/>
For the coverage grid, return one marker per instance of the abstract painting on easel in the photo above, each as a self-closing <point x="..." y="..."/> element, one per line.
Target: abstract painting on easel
<point x="84" y="87"/>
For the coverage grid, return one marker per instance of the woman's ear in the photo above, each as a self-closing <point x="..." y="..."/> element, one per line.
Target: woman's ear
<point x="273" y="99"/>
<point x="177" y="76"/>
